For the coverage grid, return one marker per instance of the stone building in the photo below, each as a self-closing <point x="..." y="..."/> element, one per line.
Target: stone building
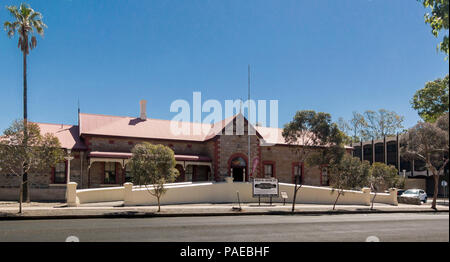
<point x="101" y="146"/>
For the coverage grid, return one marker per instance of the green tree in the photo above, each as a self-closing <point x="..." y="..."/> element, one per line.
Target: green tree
<point x="381" y="177"/>
<point x="25" y="22"/>
<point x="345" y="129"/>
<point x="438" y="20"/>
<point x="349" y="173"/>
<point x="153" y="166"/>
<point x="432" y="101"/>
<point x="429" y="142"/>
<point x="382" y="123"/>
<point x="357" y="126"/>
<point x="42" y="152"/>
<point x="314" y="139"/>
<point x="354" y="129"/>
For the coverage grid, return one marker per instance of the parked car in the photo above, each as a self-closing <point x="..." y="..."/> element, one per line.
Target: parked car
<point x="417" y="193"/>
<point x="400" y="192"/>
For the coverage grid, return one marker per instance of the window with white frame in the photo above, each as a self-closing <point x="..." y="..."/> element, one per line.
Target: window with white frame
<point x="268" y="170"/>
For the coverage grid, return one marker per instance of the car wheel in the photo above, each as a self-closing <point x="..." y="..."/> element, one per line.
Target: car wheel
<point x="425" y="200"/>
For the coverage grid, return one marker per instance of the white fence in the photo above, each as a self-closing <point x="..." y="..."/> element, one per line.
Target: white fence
<point x="220" y="192"/>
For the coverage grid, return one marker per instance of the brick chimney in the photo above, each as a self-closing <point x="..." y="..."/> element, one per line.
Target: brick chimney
<point x="143" y="115"/>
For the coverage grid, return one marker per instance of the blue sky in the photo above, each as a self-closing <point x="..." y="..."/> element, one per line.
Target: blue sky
<point x="330" y="56"/>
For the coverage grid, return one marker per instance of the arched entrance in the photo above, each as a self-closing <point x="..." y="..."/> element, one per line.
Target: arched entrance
<point x="238" y="168"/>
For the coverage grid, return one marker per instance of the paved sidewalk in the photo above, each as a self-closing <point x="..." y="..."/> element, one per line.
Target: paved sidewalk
<point x="34" y="210"/>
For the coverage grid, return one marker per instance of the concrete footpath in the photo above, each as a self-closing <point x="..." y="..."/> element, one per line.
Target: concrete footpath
<point x="42" y="210"/>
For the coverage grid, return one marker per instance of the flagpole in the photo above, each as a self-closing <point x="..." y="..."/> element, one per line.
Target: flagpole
<point x="248" y="125"/>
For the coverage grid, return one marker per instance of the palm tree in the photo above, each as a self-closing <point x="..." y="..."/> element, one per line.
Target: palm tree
<point x="26" y="22"/>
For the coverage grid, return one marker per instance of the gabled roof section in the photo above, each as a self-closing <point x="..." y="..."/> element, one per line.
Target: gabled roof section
<point x="217" y="128"/>
<point x="103" y="125"/>
<point x="120" y="126"/>
<point x="66" y="134"/>
<point x="220" y="128"/>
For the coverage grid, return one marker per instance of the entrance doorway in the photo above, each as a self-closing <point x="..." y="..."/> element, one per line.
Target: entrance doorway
<point x="238" y="167"/>
<point x="238" y="174"/>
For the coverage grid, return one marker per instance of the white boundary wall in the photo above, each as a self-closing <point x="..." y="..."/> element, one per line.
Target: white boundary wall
<point x="222" y="192"/>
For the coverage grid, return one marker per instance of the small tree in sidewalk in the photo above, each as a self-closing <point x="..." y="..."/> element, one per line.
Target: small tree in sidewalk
<point x="314" y="139"/>
<point x="349" y="173"/>
<point x="153" y="165"/>
<point x="40" y="153"/>
<point x="382" y="176"/>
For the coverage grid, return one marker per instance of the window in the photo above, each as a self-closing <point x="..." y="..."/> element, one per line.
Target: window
<point x="189" y="172"/>
<point x="411" y="192"/>
<point x="60" y="173"/>
<point x="268" y="170"/>
<point x="297" y="173"/>
<point x="128" y="176"/>
<point x="325" y="181"/>
<point x="201" y="173"/>
<point x="110" y="173"/>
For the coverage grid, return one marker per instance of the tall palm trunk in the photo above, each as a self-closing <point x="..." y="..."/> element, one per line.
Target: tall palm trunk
<point x="26" y="195"/>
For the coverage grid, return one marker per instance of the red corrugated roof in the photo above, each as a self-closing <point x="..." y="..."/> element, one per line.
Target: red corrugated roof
<point x="68" y="135"/>
<point x="104" y="125"/>
<point x="92" y="124"/>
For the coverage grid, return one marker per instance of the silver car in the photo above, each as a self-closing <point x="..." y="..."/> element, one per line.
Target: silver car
<point x="416" y="193"/>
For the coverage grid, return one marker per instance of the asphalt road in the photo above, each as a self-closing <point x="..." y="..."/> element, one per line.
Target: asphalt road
<point x="357" y="228"/>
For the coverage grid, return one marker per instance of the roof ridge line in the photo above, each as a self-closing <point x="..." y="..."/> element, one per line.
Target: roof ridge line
<point x="43" y="123"/>
<point x="159" y="119"/>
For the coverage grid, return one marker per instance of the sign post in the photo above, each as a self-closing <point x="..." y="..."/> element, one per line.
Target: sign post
<point x="265" y="187"/>
<point x="284" y="196"/>
<point x="444" y="186"/>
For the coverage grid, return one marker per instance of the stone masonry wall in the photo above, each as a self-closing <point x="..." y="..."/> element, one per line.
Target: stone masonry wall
<point x="41" y="184"/>
<point x="43" y="179"/>
<point x="106" y="144"/>
<point x="232" y="145"/>
<point x="284" y="157"/>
